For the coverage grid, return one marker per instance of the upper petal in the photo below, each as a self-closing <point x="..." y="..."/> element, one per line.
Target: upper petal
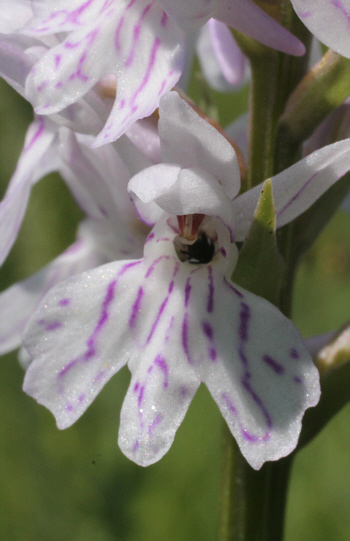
<point x="135" y="41"/>
<point x="189" y="15"/>
<point x="190" y="141"/>
<point x="247" y="17"/>
<point x="222" y="62"/>
<point x="296" y="188"/>
<point x="328" y="20"/>
<point x="36" y="160"/>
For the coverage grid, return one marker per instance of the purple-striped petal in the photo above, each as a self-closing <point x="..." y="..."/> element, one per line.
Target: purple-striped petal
<point x="38" y="158"/>
<point x="247" y="17"/>
<point x="133" y="40"/>
<point x="296" y="188"/>
<point x="18" y="302"/>
<point x="328" y="20"/>
<point x="222" y="62"/>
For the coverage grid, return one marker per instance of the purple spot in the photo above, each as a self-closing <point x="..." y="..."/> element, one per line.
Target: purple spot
<point x="249" y="437"/>
<point x="210" y="305"/>
<point x="162" y="364"/>
<point x="58" y="59"/>
<point x="42" y="86"/>
<point x="294" y="353"/>
<point x="69" y="407"/>
<point x="298" y="379"/>
<point x="276" y="367"/>
<point x="154" y="423"/>
<point x="136" y="387"/>
<point x="183" y="391"/>
<point x="140" y="398"/>
<point x="223" y="252"/>
<point x="99" y="376"/>
<point x="229" y="403"/>
<point x="212" y="354"/>
<point x="244" y="322"/>
<point x="136" y="446"/>
<point x="81" y="398"/>
<point x="53" y="326"/>
<point x="64" y="302"/>
<point x="135" y="309"/>
<point x="208" y="330"/>
<point x="150" y="237"/>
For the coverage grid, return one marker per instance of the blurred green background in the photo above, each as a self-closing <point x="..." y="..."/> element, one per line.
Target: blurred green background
<point x="76" y="485"/>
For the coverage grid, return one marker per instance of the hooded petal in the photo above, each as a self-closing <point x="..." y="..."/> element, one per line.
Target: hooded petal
<point x="328" y="20"/>
<point x="34" y="163"/>
<point x="190" y="141"/>
<point x="135" y="41"/>
<point x="247" y="17"/>
<point x="296" y="188"/>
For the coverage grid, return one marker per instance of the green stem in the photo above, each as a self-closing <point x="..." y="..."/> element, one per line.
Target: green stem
<point x="253" y="501"/>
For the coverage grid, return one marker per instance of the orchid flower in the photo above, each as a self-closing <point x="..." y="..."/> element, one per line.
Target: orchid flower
<point x="328" y="20"/>
<point x="174" y="316"/>
<point x="141" y="43"/>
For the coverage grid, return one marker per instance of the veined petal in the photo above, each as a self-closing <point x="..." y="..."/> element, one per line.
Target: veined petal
<point x="133" y="40"/>
<point x="247" y="17"/>
<point x="53" y="16"/>
<point x="222" y="62"/>
<point x="262" y="376"/>
<point x="189" y="15"/>
<point x="159" y="395"/>
<point x="35" y="162"/>
<point x="296" y="188"/>
<point x="191" y="142"/>
<point x="18" y="302"/>
<point x="328" y="20"/>
<point x="73" y="339"/>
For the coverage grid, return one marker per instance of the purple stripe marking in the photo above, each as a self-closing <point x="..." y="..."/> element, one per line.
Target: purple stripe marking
<point x="153" y="424"/>
<point x="339" y="5"/>
<point x="146" y="77"/>
<point x="276" y="367"/>
<point x="210" y="304"/>
<point x="235" y="290"/>
<point x="136" y="36"/>
<point x="36" y="135"/>
<point x="229" y="403"/>
<point x="162" y="364"/>
<point x="153" y="265"/>
<point x="244" y="322"/>
<point x="184" y="338"/>
<point x="141" y="396"/>
<point x="298" y="379"/>
<point x="136" y="308"/>
<point x="291" y="201"/>
<point x="188" y="288"/>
